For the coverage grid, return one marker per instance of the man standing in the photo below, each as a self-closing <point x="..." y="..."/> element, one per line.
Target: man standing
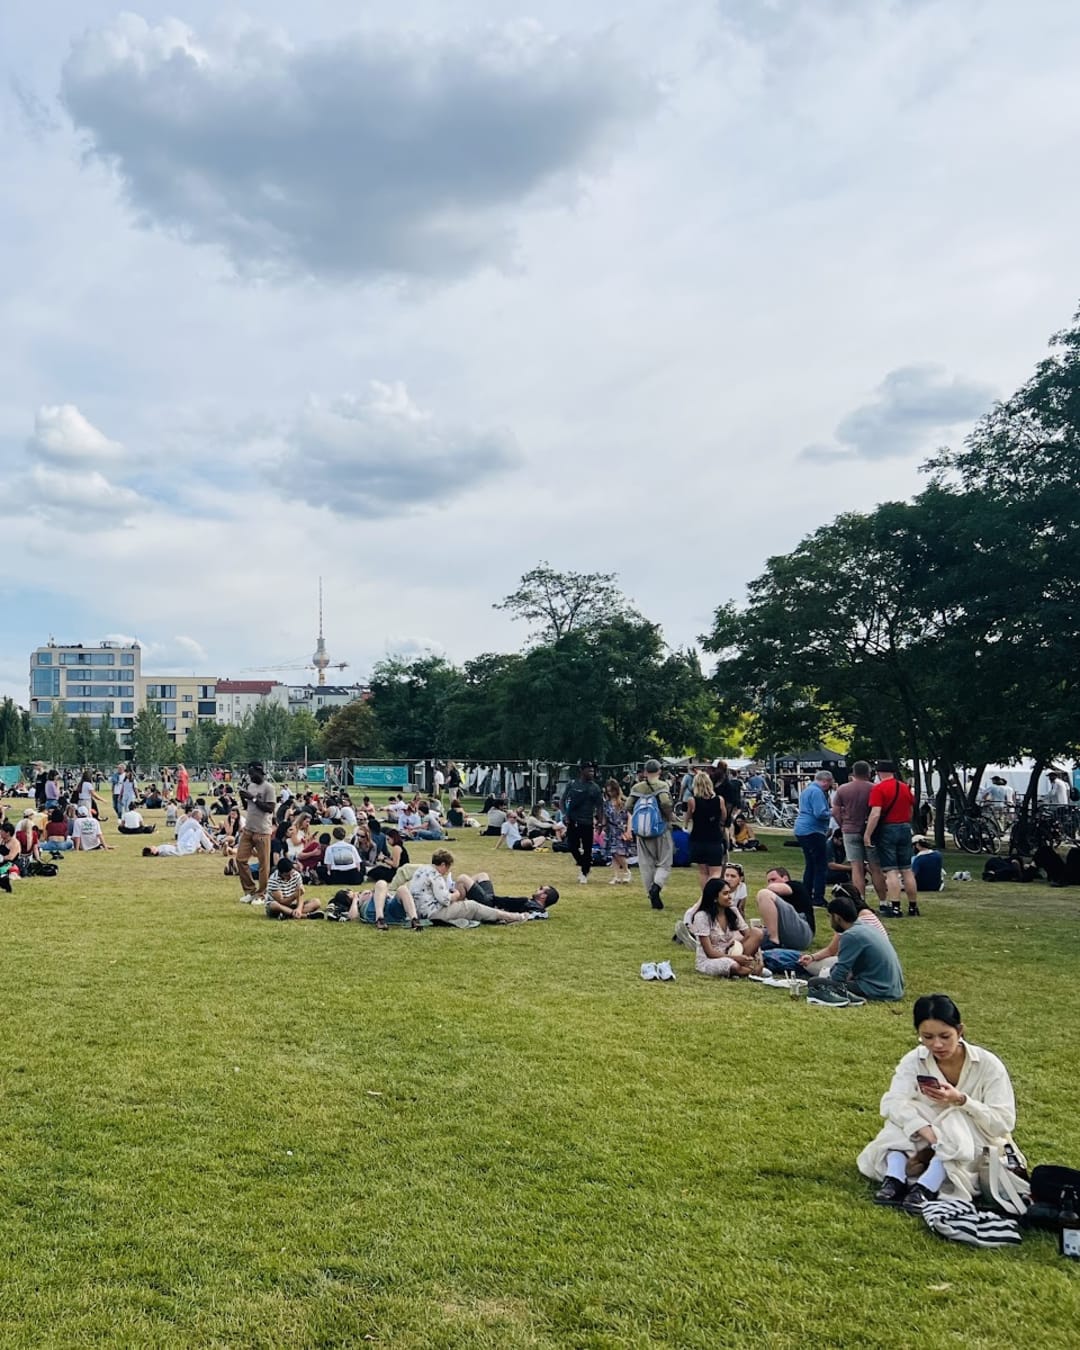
<point x="258" y="804"/>
<point x="115" y="779"/>
<point x="650" y="820"/>
<point x="582" y="805"/>
<point x="438" y="778"/>
<point x="811" y="833"/>
<point x="850" y="808"/>
<point x="891" y="804"/>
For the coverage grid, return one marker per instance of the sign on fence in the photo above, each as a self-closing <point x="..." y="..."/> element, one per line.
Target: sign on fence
<point x="380" y="775"/>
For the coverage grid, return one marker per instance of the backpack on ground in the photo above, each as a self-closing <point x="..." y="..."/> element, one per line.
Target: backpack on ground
<point x="647" y="821"/>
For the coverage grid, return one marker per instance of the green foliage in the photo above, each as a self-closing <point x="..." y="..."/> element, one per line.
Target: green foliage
<point x="352" y="732"/>
<point x="150" y="740"/>
<point x="266" y="732"/>
<point x="84" y="741"/>
<point x="305" y="737"/>
<point x="14" y="734"/>
<point x="559" y="603"/>
<point x="411" y="700"/>
<point x="55" y="742"/>
<point x="106" y="746"/>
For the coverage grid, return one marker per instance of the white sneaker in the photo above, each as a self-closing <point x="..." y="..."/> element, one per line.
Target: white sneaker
<point x="664" y="971"/>
<point x="582" y="879"/>
<point x="649" y="971"/>
<point x="684" y="935"/>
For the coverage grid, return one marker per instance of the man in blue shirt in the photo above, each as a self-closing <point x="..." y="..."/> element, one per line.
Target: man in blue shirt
<point x="812" y="832"/>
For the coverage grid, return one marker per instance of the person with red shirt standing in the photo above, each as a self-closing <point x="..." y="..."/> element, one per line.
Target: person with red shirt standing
<point x="888" y="829"/>
<point x="183" y="788"/>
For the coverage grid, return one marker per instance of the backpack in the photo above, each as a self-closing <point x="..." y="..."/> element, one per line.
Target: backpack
<point x="647" y="821"/>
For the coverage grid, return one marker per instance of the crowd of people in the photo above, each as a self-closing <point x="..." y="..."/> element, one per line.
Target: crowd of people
<point x="949" y="1100"/>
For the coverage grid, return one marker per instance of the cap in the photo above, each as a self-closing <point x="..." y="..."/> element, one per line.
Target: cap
<point x="82" y="810"/>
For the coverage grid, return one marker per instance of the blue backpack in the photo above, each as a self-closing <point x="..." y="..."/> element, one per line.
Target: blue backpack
<point x="647" y="821"/>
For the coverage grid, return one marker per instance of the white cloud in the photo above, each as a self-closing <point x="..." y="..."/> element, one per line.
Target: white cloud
<point x="61" y="432"/>
<point x="381" y="454"/>
<point x="81" y="495"/>
<point x="365" y="155"/>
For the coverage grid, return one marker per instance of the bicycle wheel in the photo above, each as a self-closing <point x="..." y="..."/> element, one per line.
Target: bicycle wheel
<point x="764" y="814"/>
<point x="968" y="835"/>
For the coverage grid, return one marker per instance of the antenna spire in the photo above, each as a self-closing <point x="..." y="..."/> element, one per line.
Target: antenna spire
<point x="320" y="660"/>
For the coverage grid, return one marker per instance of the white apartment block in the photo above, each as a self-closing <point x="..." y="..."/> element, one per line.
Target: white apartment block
<point x="87" y="681"/>
<point x="315" y="696"/>
<point x="235" y="698"/>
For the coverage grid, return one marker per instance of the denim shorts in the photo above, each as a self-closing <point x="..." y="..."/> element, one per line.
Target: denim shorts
<point x="894" y="847"/>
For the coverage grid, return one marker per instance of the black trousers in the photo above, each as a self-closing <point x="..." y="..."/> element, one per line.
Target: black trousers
<point x="579" y="838"/>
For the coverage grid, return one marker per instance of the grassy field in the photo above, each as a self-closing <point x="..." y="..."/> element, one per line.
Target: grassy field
<point x="218" y="1130"/>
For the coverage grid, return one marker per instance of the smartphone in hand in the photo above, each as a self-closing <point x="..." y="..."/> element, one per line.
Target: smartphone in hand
<point x="926" y="1080"/>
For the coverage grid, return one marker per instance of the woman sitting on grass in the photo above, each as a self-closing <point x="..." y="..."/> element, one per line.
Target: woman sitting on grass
<point x="948" y="1100"/>
<point x="726" y="944"/>
<point x="397" y="855"/>
<point x="735" y="881"/>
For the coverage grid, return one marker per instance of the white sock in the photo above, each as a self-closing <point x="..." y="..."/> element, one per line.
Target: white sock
<point x="934" y="1176"/>
<point x="895" y="1165"/>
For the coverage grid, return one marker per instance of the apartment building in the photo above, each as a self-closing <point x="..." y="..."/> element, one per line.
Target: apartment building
<point x="182" y="701"/>
<point x="312" y="697"/>
<point x="236" y="698"/>
<point x="87" y="680"/>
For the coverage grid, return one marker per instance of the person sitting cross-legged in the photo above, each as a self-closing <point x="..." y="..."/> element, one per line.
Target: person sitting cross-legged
<point x="285" y="894"/>
<point x="867" y="966"/>
<point x="341" y="863"/>
<point x="510" y="835"/>
<point x="131" y="822"/>
<point x="726" y="944"/>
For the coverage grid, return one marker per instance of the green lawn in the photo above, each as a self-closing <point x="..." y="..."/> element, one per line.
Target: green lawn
<point x="221" y="1131"/>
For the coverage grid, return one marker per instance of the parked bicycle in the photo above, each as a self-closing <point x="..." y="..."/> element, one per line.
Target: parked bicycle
<point x="769" y="812"/>
<point x="973" y="831"/>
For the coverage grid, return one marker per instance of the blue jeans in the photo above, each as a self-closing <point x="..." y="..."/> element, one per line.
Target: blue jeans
<point x="815" y="851"/>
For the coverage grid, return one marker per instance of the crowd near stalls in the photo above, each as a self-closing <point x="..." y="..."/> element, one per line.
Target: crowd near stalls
<point x="327" y="852"/>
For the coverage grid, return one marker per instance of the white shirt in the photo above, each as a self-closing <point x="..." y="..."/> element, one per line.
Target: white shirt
<point x="348" y="815"/>
<point x="132" y="820"/>
<point x="341" y="856"/>
<point x="1059" y="792"/>
<point x="191" y="837"/>
<point x="439" y="778"/>
<point x="511" y="834"/>
<point x="87" y="832"/>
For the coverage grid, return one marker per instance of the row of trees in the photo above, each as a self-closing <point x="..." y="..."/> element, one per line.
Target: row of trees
<point x="945" y="630"/>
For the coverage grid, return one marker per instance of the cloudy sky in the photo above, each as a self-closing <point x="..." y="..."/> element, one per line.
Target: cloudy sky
<point x="415" y="294"/>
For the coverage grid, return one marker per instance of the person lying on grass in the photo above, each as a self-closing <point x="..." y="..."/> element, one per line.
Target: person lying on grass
<point x="442" y="902"/>
<point x="948" y="1100"/>
<point x="481" y="888"/>
<point x="727" y="946"/>
<point x="285" y="894"/>
<point x="866" y="961"/>
<point x="374" y="906"/>
<point x="191" y="837"/>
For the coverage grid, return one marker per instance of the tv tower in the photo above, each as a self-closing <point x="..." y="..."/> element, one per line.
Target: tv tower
<point x="321" y="659"/>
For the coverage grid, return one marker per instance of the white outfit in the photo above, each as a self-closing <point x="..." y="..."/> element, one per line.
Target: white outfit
<point x="511" y="834"/>
<point x="986" y="1118"/>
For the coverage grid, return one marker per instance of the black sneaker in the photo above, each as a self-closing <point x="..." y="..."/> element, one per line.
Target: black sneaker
<point x="895" y="911"/>
<point x="654" y="897"/>
<point x="916" y="1197"/>
<point x="913" y="911"/>
<point x="892" y="1192"/>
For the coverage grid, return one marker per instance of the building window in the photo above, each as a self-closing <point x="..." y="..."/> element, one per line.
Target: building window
<point x="44" y="658"/>
<point x="207" y="690"/>
<point x="185" y="713"/>
<point x="127" y="706"/>
<point x="188" y="698"/>
<point x="127" y="659"/>
<point x="45" y="683"/>
<point x="125" y="674"/>
<point x="43" y="705"/>
<point x="207" y="709"/>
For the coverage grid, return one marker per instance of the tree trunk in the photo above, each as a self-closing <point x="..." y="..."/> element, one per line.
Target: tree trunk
<point x="973" y="786"/>
<point x="1032" y="792"/>
<point x="941" y="802"/>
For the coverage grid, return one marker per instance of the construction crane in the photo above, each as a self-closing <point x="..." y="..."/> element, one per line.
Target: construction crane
<point x="320" y="661"/>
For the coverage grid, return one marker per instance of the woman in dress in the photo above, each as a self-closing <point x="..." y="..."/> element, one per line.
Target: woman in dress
<point x="726" y="944"/>
<point x="706" y="815"/>
<point x="616" y="833"/>
<point x="948" y="1100"/>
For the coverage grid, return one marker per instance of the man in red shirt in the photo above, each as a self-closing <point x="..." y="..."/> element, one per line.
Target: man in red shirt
<point x="888" y="829"/>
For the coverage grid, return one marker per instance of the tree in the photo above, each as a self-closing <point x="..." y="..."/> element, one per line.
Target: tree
<point x="559" y="603"/>
<point x="84" y="741"/>
<point x="106" y="747"/>
<point x="55" y="739"/>
<point x="352" y="732"/>
<point x="150" y="740"/>
<point x="411" y="701"/>
<point x="266" y="732"/>
<point x="14" y="741"/>
<point x="305" y="736"/>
